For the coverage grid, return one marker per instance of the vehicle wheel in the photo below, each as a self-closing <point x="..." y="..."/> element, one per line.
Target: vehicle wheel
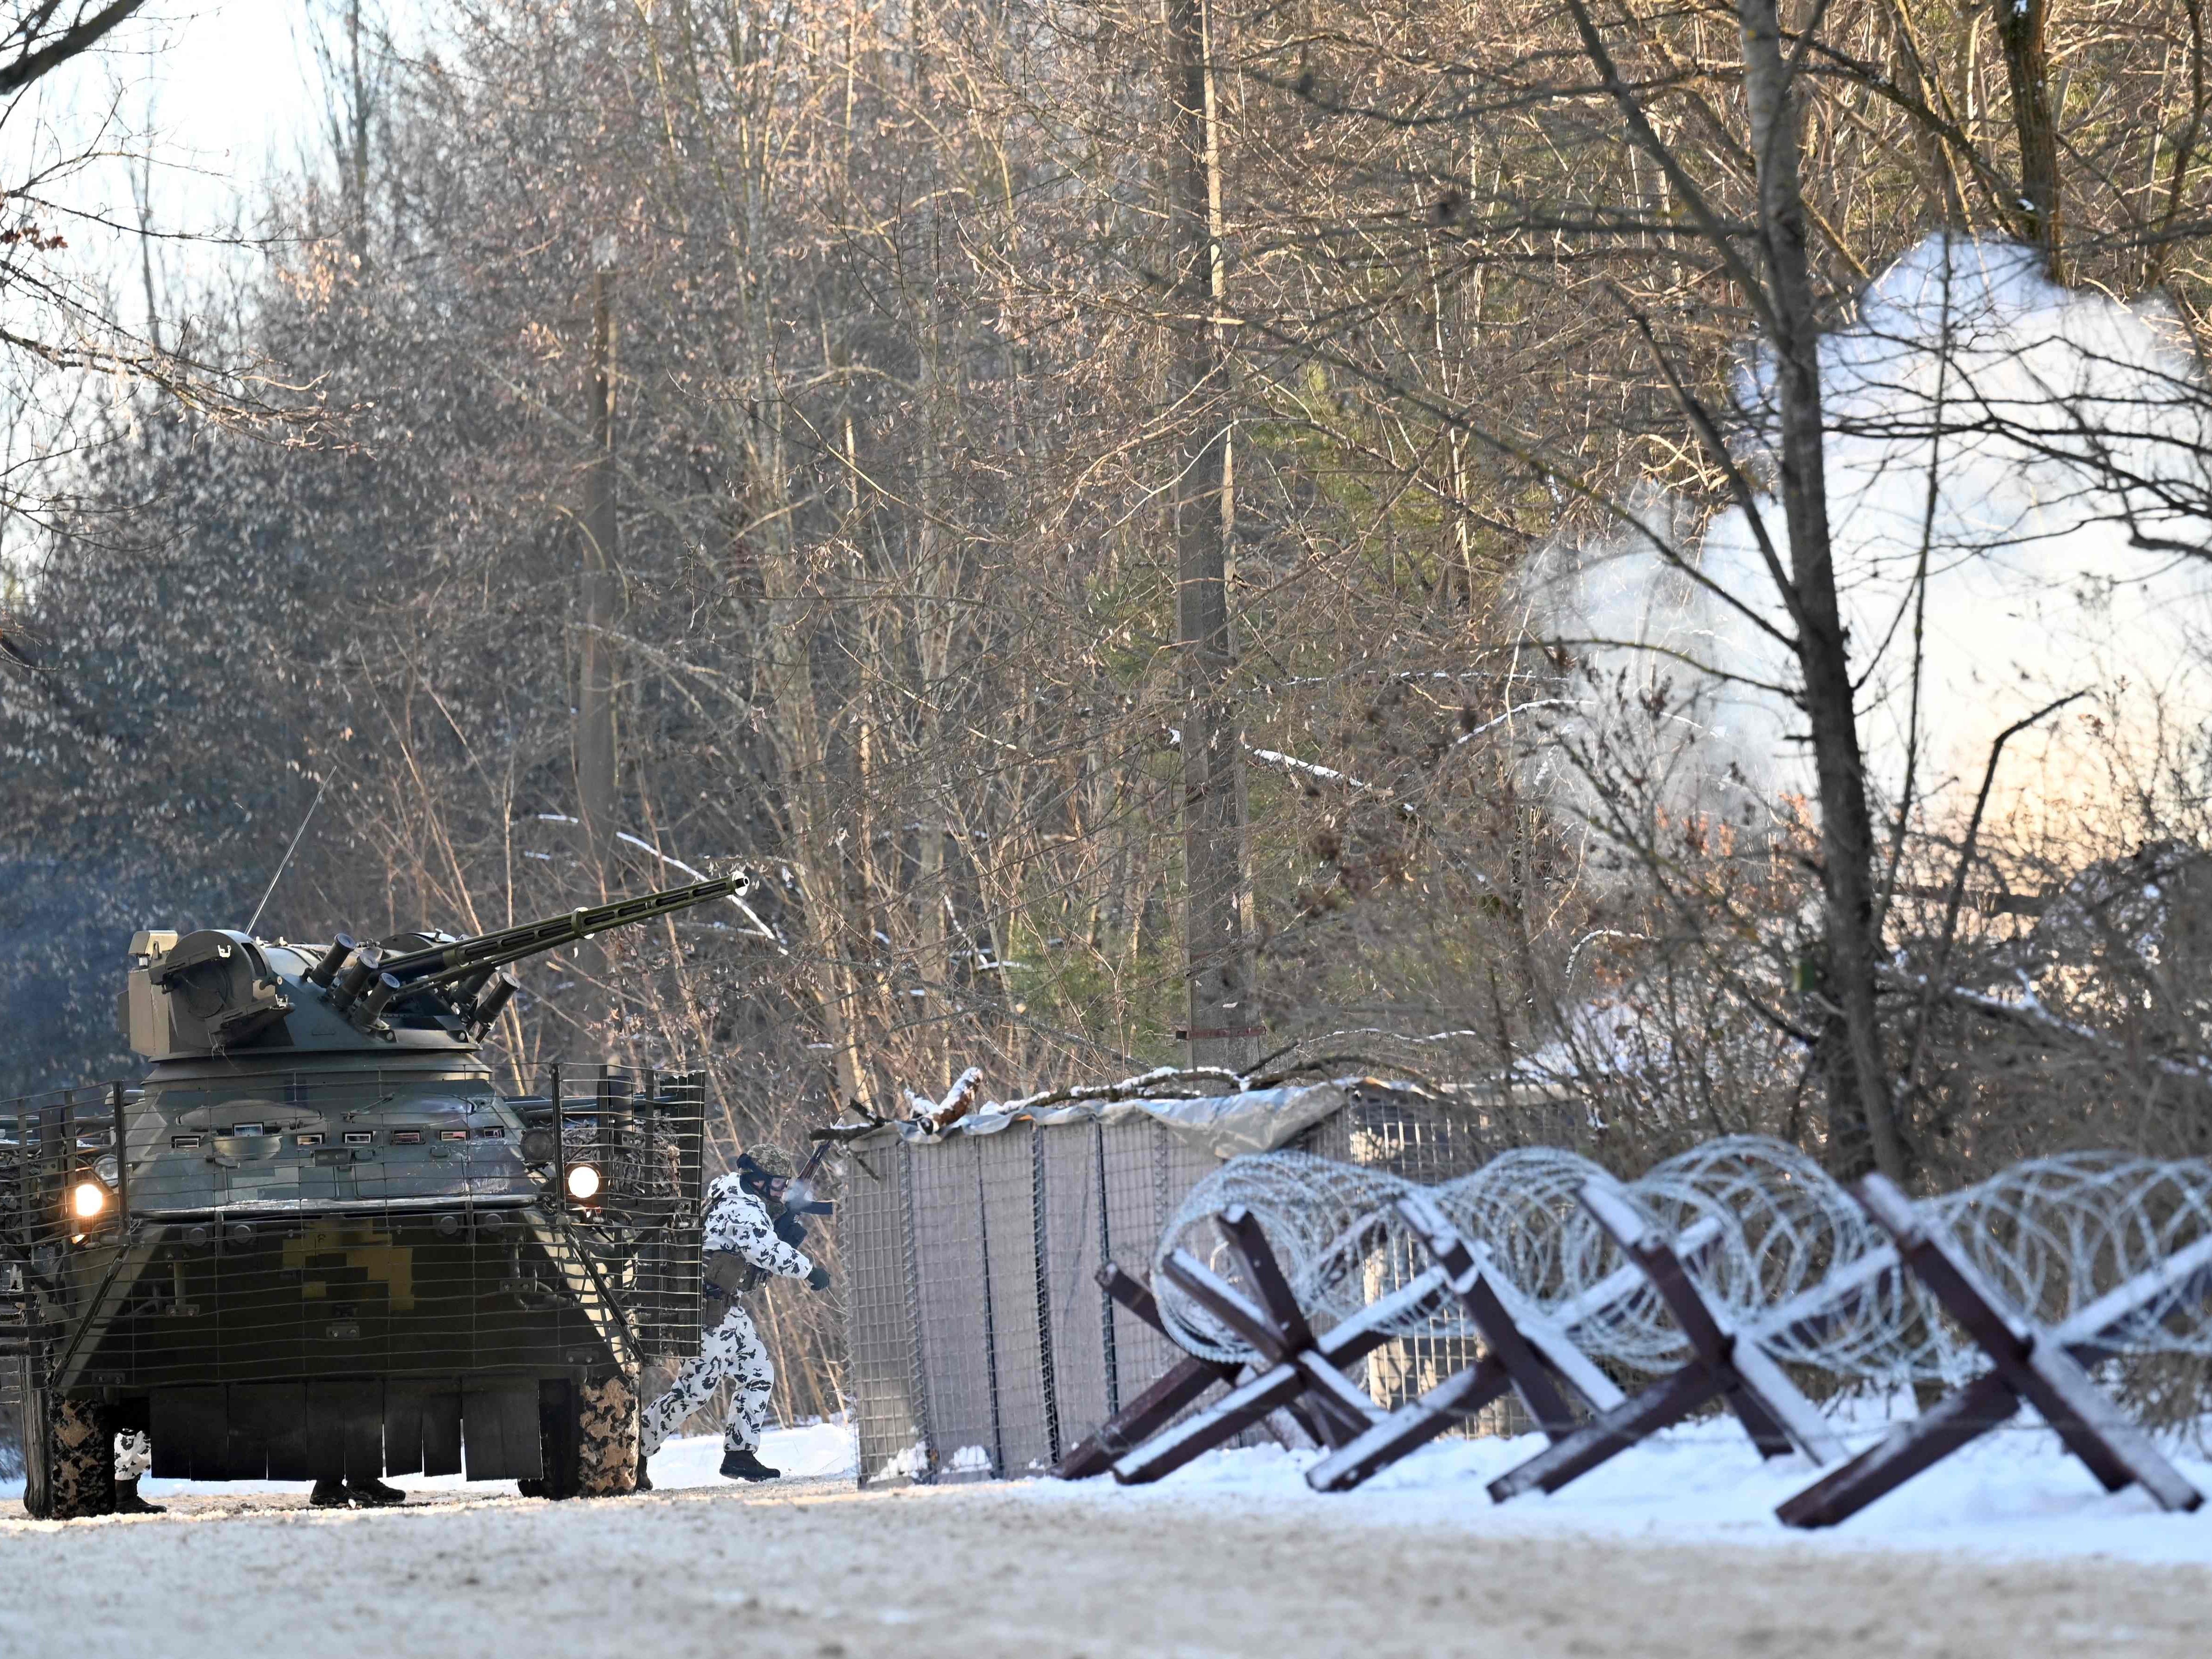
<point x="68" y="1456"/>
<point x="606" y="1437"/>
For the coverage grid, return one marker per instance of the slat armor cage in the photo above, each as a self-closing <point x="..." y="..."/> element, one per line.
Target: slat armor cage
<point x="348" y="1272"/>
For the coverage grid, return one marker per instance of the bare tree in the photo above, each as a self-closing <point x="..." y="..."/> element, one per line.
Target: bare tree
<point x="44" y="35"/>
<point x="1217" y="907"/>
<point x="1078" y="471"/>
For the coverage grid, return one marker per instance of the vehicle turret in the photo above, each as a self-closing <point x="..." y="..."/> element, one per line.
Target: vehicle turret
<point x="219" y="992"/>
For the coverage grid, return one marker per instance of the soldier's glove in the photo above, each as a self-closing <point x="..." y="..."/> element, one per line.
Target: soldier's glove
<point x="817" y="1278"/>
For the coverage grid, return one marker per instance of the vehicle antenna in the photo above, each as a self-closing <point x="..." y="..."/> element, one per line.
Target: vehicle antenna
<point x="284" y="863"/>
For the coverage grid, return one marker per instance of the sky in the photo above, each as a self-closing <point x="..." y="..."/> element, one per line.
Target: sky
<point x="199" y="104"/>
<point x="231" y="83"/>
<point x="204" y="101"/>
<point x="227" y="94"/>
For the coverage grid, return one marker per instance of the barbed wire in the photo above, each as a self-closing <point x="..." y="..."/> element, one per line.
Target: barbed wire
<point x="1792" y="1259"/>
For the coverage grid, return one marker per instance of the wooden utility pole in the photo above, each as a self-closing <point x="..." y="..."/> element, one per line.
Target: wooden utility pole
<point x="1218" y="894"/>
<point x="599" y="593"/>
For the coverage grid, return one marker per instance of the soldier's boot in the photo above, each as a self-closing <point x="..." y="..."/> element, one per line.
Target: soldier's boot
<point x="329" y="1495"/>
<point x="741" y="1465"/>
<point x="644" y="1480"/>
<point x="128" y="1502"/>
<point x="374" y="1494"/>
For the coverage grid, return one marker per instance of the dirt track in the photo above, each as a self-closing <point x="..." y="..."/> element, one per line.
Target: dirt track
<point x="811" y="1568"/>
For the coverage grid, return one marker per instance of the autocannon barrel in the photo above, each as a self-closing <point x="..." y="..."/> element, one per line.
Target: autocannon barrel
<point x="440" y="964"/>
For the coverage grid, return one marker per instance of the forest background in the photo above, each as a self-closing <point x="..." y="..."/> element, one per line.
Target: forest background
<point x="1638" y="566"/>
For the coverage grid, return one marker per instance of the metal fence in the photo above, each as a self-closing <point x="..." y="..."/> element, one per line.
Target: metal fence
<point x="980" y="1343"/>
<point x="1424" y="1143"/>
<point x="240" y="1264"/>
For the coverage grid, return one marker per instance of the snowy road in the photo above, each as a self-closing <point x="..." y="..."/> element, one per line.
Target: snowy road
<point x="1229" y="1563"/>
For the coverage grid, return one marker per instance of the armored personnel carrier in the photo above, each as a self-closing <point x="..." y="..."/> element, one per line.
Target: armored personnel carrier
<point x="316" y="1241"/>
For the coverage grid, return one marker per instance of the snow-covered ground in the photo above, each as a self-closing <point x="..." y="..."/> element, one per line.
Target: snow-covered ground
<point x="813" y="1451"/>
<point x="1670" y="1552"/>
<point x="819" y="1449"/>
<point x="2016" y="1493"/>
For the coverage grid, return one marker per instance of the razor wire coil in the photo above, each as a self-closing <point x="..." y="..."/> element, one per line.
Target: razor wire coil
<point x="2052" y="1235"/>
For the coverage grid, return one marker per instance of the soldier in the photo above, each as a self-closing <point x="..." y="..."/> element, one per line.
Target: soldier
<point x="134" y="1455"/>
<point x="748" y="1233"/>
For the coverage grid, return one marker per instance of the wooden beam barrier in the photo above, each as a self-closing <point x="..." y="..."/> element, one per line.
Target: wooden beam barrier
<point x="1293" y="1365"/>
<point x="1181" y="1385"/>
<point x="2045" y="1366"/>
<point x="1523" y="1349"/>
<point x="1726" y="1363"/>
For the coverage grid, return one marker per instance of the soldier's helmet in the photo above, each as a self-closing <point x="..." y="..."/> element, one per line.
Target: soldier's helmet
<point x="760" y="1167"/>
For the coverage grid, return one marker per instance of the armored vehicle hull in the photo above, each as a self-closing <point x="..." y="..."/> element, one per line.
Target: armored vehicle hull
<point x="317" y="1242"/>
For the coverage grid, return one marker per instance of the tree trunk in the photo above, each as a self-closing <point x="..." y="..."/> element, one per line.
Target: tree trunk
<point x="2020" y="28"/>
<point x="1218" y="903"/>
<point x="786" y="671"/>
<point x="1860" y="1119"/>
<point x="1909" y="71"/>
<point x="783" y="646"/>
<point x="595" y="704"/>
<point x="936" y="620"/>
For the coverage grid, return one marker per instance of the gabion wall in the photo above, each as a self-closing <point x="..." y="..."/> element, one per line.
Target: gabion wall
<point x="980" y="1343"/>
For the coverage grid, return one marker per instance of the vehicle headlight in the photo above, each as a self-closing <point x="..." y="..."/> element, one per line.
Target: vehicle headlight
<point x="88" y="1199"/>
<point x="108" y="1170"/>
<point x="583" y="1182"/>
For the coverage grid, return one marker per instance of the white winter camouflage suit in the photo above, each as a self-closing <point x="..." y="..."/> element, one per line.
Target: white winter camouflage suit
<point x="736" y="1220"/>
